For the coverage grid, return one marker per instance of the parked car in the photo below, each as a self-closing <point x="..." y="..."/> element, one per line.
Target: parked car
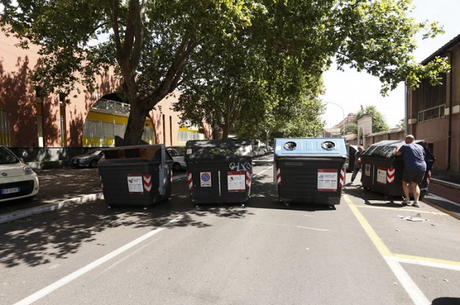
<point x="177" y="153"/>
<point x="17" y="180"/>
<point x="89" y="159"/>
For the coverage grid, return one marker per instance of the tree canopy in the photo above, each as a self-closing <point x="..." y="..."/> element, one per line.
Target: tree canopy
<point x="162" y="45"/>
<point x="378" y="122"/>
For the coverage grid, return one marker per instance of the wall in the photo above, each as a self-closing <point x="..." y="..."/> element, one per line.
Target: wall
<point x="37" y="120"/>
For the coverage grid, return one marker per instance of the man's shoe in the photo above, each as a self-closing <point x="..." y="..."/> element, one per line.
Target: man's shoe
<point x="415" y="204"/>
<point x="405" y="202"/>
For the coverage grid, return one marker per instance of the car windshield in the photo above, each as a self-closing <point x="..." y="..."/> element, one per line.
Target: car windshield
<point x="175" y="153"/>
<point x="7" y="157"/>
<point x="94" y="152"/>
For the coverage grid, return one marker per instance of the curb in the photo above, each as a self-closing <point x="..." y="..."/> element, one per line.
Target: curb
<point x="441" y="209"/>
<point x="7" y="217"/>
<point x="49" y="207"/>
<point x="446" y="184"/>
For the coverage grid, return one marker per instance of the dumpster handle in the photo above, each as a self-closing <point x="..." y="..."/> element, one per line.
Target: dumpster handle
<point x="220" y="188"/>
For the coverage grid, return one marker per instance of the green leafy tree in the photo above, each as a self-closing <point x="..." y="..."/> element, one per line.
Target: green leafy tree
<point x="378" y="122"/>
<point x="350" y="128"/>
<point x="150" y="43"/>
<point x="401" y="124"/>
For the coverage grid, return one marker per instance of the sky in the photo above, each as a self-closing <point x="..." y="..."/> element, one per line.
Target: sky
<point x="347" y="91"/>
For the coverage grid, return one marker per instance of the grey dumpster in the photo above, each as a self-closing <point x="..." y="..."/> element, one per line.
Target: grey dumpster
<point x="310" y="170"/>
<point x="219" y="171"/>
<point x="136" y="175"/>
<point x="382" y="170"/>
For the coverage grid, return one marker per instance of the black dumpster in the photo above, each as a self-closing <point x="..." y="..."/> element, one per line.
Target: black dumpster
<point x="219" y="171"/>
<point x="382" y="170"/>
<point x="352" y="149"/>
<point x="136" y="175"/>
<point x="310" y="170"/>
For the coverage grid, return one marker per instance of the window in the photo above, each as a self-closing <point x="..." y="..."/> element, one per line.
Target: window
<point x="5" y="129"/>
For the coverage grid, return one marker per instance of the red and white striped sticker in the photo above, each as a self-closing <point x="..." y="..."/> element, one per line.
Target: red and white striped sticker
<point x="278" y="176"/>
<point x="391" y="175"/>
<point x="190" y="181"/>
<point x="342" y="177"/>
<point x="147" y="183"/>
<point x="102" y="184"/>
<point x="248" y="179"/>
<point x="428" y="177"/>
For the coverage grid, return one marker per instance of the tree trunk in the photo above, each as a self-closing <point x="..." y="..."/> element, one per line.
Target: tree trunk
<point x="135" y="128"/>
<point x="225" y="131"/>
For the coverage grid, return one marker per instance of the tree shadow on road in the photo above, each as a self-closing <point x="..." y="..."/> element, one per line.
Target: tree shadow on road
<point x="40" y="239"/>
<point x="373" y="198"/>
<point x="265" y="195"/>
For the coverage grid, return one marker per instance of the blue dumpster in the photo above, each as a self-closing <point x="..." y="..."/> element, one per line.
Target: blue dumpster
<point x="310" y="170"/>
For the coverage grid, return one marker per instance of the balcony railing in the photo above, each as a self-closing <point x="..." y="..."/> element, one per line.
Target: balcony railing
<point x="431" y="113"/>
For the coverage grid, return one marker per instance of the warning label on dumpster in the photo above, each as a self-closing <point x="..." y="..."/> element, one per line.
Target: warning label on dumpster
<point x="236" y="181"/>
<point x="382" y="175"/>
<point x="135" y="185"/>
<point x="205" y="179"/>
<point x="327" y="180"/>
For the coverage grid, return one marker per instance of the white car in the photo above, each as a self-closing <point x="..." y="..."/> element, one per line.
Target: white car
<point x="17" y="180"/>
<point x="177" y="153"/>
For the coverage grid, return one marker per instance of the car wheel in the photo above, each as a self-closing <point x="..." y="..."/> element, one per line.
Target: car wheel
<point x="93" y="163"/>
<point x="177" y="167"/>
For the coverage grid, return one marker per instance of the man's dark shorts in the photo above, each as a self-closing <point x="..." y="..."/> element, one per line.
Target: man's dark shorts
<point x="413" y="177"/>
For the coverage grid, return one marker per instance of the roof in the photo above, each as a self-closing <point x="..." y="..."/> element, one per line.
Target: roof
<point x="442" y="50"/>
<point x="392" y="130"/>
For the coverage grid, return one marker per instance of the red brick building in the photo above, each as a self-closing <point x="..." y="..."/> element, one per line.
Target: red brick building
<point x="77" y="120"/>
<point x="433" y="113"/>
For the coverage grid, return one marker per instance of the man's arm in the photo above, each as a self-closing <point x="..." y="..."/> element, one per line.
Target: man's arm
<point x="398" y="152"/>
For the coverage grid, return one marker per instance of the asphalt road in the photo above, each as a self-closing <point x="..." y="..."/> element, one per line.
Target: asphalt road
<point x="361" y="252"/>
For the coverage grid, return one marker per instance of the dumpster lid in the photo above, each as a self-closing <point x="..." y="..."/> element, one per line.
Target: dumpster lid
<point x="311" y="147"/>
<point x="387" y="149"/>
<point x="212" y="149"/>
<point x="132" y="152"/>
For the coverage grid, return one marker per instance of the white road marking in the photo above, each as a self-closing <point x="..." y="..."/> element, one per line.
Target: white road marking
<point x="427" y="263"/>
<point x="315" y="229"/>
<point x="406" y="281"/>
<point x="67" y="279"/>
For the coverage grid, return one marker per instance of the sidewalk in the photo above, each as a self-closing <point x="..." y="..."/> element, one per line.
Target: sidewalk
<point x="59" y="188"/>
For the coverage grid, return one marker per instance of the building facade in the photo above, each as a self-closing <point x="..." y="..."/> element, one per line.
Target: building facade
<point x="433" y="113"/>
<point x="80" y="119"/>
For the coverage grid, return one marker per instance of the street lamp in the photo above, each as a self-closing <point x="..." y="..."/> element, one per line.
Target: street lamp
<point x="343" y="112"/>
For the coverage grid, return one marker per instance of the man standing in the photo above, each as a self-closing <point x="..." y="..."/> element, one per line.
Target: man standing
<point x="357" y="165"/>
<point x="414" y="168"/>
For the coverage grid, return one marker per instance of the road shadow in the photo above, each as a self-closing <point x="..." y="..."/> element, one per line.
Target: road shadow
<point x="372" y="198"/>
<point x="265" y="195"/>
<point x="40" y="239"/>
<point x="439" y="202"/>
<point x="275" y="204"/>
